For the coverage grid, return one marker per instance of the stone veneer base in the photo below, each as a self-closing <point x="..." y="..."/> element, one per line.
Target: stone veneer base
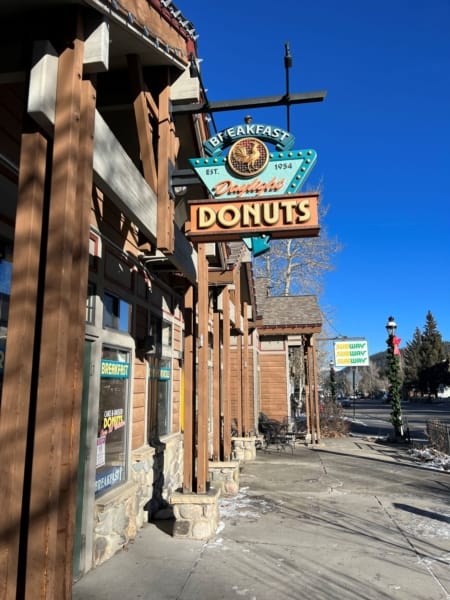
<point x="225" y="475"/>
<point x="244" y="448"/>
<point x="196" y="515"/>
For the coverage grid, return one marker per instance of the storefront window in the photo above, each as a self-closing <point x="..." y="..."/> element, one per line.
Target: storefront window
<point x="160" y="377"/>
<point x="159" y="389"/>
<point x="164" y="404"/>
<point x="113" y="424"/>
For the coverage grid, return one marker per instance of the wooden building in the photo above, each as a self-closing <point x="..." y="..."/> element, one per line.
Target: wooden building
<point x="127" y="350"/>
<point x="286" y="327"/>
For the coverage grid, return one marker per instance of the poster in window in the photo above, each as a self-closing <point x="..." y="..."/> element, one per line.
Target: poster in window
<point x="112" y="420"/>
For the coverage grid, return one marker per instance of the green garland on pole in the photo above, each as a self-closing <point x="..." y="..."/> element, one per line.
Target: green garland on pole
<point x="393" y="364"/>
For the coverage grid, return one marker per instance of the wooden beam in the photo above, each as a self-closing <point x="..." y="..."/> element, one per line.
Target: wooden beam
<point x="226" y="376"/>
<point x="202" y="388"/>
<point x="312" y="405"/>
<point x="220" y="277"/>
<point x="54" y="395"/>
<point x="165" y="219"/>
<point x="315" y="391"/>
<point x="237" y="320"/>
<point x="217" y="338"/>
<point x="20" y="357"/>
<point x="245" y="376"/>
<point x="72" y="411"/>
<point x="189" y="389"/>
<point x="144" y="128"/>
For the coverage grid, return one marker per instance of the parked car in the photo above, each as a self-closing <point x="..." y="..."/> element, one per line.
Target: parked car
<point x="345" y="402"/>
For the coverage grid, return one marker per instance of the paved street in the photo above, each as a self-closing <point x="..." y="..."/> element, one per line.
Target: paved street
<point x="352" y="519"/>
<point x="371" y="417"/>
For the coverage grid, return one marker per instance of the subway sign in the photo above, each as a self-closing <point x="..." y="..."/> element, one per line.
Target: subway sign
<point x="255" y="190"/>
<point x="351" y="353"/>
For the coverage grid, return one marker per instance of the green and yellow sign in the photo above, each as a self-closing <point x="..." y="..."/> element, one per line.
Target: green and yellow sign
<point x="351" y="353"/>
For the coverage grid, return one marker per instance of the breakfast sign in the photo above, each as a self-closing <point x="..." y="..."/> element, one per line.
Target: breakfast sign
<point x="254" y="189"/>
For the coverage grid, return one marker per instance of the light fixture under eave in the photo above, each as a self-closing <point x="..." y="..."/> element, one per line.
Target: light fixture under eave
<point x="166" y="3"/>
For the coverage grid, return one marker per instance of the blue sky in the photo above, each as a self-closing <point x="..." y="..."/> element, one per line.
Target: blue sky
<point x="382" y="136"/>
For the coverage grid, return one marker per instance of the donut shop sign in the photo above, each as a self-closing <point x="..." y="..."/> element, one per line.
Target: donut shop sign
<point x="254" y="190"/>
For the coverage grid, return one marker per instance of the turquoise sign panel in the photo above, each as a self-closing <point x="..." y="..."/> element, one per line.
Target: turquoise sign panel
<point x="115" y="369"/>
<point x="284" y="174"/>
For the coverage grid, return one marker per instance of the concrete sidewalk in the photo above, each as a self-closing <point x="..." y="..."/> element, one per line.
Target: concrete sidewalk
<point x="350" y="519"/>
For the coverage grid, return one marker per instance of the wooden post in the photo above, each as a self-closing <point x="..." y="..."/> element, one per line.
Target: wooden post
<point x="226" y="376"/>
<point x="309" y="407"/>
<point x="238" y="317"/>
<point x="19" y="358"/>
<point x="144" y="107"/>
<point x="217" y="339"/>
<point x="202" y="388"/>
<point x="55" y="392"/>
<point x="315" y="383"/>
<point x="245" y="381"/>
<point x="72" y="411"/>
<point x="313" y="406"/>
<point x="189" y="389"/>
<point x="165" y="218"/>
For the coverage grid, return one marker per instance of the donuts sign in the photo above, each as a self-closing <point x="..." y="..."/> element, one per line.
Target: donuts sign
<point x="254" y="190"/>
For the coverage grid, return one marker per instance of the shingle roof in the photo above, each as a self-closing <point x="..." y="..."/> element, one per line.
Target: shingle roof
<point x="282" y="311"/>
<point x="291" y="310"/>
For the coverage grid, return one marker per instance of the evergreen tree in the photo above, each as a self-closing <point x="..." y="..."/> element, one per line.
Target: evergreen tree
<point x="412" y="362"/>
<point x="432" y="356"/>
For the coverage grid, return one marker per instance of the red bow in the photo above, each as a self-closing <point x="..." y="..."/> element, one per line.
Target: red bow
<point x="396" y="342"/>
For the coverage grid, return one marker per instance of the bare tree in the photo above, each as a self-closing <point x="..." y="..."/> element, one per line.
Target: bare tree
<point x="297" y="266"/>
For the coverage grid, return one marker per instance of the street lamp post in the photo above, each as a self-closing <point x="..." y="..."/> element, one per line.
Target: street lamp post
<point x="332" y="381"/>
<point x="393" y="365"/>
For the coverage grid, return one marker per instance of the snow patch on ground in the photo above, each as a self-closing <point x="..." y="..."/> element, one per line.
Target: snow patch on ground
<point x="432" y="459"/>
